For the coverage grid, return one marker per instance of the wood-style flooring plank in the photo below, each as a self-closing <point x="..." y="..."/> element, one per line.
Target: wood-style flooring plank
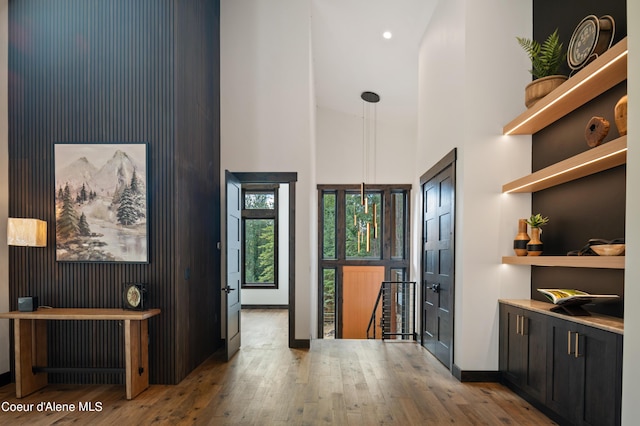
<point x="335" y="382"/>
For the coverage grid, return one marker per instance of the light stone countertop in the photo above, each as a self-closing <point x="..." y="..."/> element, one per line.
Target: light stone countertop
<point x="603" y="322"/>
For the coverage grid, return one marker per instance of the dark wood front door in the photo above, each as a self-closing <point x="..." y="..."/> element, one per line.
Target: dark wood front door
<point x="438" y="263"/>
<point x="360" y="288"/>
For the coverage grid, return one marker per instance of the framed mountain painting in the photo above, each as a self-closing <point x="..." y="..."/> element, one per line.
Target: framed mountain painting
<point x="101" y="202"/>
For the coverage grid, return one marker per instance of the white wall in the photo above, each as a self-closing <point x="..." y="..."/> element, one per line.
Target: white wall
<point x="631" y="367"/>
<point x="471" y="81"/>
<point x="4" y="187"/>
<point x="266" y="117"/>
<point x="279" y="296"/>
<point x="339" y="149"/>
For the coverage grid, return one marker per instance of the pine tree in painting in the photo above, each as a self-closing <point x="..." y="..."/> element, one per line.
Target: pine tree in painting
<point x="127" y="213"/>
<point x="83" y="226"/>
<point x="134" y="183"/>
<point x="83" y="194"/>
<point x="138" y="198"/>
<point x="67" y="223"/>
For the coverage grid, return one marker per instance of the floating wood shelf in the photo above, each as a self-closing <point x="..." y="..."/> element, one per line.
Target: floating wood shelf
<point x="596" y="78"/>
<point x="603" y="157"/>
<point x="603" y="262"/>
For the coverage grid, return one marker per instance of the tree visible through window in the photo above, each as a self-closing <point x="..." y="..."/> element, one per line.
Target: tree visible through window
<point x="260" y="224"/>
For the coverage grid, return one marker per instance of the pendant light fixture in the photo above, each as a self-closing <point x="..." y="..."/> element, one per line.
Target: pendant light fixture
<point x="369" y="122"/>
<point x="369" y="119"/>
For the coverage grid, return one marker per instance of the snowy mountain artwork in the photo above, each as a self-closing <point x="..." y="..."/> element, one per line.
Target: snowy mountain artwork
<point x="101" y="202"/>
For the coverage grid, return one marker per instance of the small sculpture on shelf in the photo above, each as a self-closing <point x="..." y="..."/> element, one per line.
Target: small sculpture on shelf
<point x="535" y="245"/>
<point x="597" y="129"/>
<point x="601" y="247"/>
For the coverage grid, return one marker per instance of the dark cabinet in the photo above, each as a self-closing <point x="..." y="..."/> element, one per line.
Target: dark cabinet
<point x="585" y="373"/>
<point x="523" y="344"/>
<point x="571" y="371"/>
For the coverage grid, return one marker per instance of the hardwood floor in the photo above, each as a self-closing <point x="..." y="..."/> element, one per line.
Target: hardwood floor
<point x="337" y="382"/>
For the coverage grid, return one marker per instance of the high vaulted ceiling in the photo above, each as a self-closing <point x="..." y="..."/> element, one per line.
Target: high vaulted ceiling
<point x="351" y="56"/>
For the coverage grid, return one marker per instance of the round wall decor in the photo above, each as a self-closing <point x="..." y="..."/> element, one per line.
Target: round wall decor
<point x="591" y="38"/>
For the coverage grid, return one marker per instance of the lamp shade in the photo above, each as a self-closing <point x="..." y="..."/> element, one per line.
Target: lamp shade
<point x="26" y="232"/>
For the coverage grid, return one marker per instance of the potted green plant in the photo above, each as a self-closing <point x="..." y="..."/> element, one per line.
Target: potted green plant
<point x="535" y="245"/>
<point x="546" y="59"/>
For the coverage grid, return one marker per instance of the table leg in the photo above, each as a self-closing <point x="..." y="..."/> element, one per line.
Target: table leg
<point x="136" y="348"/>
<point x="30" y="339"/>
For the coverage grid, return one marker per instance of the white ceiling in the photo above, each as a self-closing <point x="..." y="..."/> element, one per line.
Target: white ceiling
<point x="351" y="56"/>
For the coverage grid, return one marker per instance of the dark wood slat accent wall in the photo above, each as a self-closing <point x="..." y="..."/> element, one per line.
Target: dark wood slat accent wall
<point x="121" y="71"/>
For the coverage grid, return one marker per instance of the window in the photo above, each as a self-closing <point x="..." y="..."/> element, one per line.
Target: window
<point x="329" y="303"/>
<point x="357" y="231"/>
<point x="260" y="233"/>
<point x="362" y="239"/>
<point x="329" y="222"/>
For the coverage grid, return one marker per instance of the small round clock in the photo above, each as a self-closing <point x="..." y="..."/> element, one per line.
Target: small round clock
<point x="134" y="296"/>
<point x="591" y="38"/>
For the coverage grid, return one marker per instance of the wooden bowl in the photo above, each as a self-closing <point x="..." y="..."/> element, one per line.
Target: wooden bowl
<point x="608" y="249"/>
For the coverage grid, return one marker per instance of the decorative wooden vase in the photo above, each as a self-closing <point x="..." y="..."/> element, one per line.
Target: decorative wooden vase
<point x="521" y="239"/>
<point x="620" y="115"/>
<point x="535" y="246"/>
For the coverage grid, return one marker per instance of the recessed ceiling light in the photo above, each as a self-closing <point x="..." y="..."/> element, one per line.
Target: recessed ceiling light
<point x="387" y="35"/>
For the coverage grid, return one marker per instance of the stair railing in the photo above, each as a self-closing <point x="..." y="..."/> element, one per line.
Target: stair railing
<point x="397" y="317"/>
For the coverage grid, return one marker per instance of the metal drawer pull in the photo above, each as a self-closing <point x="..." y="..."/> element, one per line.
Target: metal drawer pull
<point x="568" y="342"/>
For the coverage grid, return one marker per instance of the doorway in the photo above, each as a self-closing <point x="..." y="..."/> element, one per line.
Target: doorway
<point x="438" y="255"/>
<point x="279" y="272"/>
<point x="360" y="287"/>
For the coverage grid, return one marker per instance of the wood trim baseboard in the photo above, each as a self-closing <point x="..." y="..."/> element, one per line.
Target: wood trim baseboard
<point x="475" y="375"/>
<point x="5" y="378"/>
<point x="300" y="344"/>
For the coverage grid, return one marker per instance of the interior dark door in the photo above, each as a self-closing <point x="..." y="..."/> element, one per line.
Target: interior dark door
<point x="438" y="264"/>
<point x="234" y="262"/>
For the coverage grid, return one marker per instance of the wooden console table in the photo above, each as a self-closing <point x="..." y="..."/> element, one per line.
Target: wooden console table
<point x="30" y="344"/>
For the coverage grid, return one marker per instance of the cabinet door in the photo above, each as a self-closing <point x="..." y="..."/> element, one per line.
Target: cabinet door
<point x="565" y="384"/>
<point x="511" y="345"/>
<point x="535" y="351"/>
<point x="523" y="347"/>
<point x="602" y="353"/>
<point x="585" y="373"/>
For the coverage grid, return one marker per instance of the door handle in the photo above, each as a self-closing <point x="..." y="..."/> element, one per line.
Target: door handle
<point x="436" y="288"/>
<point x="568" y="342"/>
<point x="228" y="289"/>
